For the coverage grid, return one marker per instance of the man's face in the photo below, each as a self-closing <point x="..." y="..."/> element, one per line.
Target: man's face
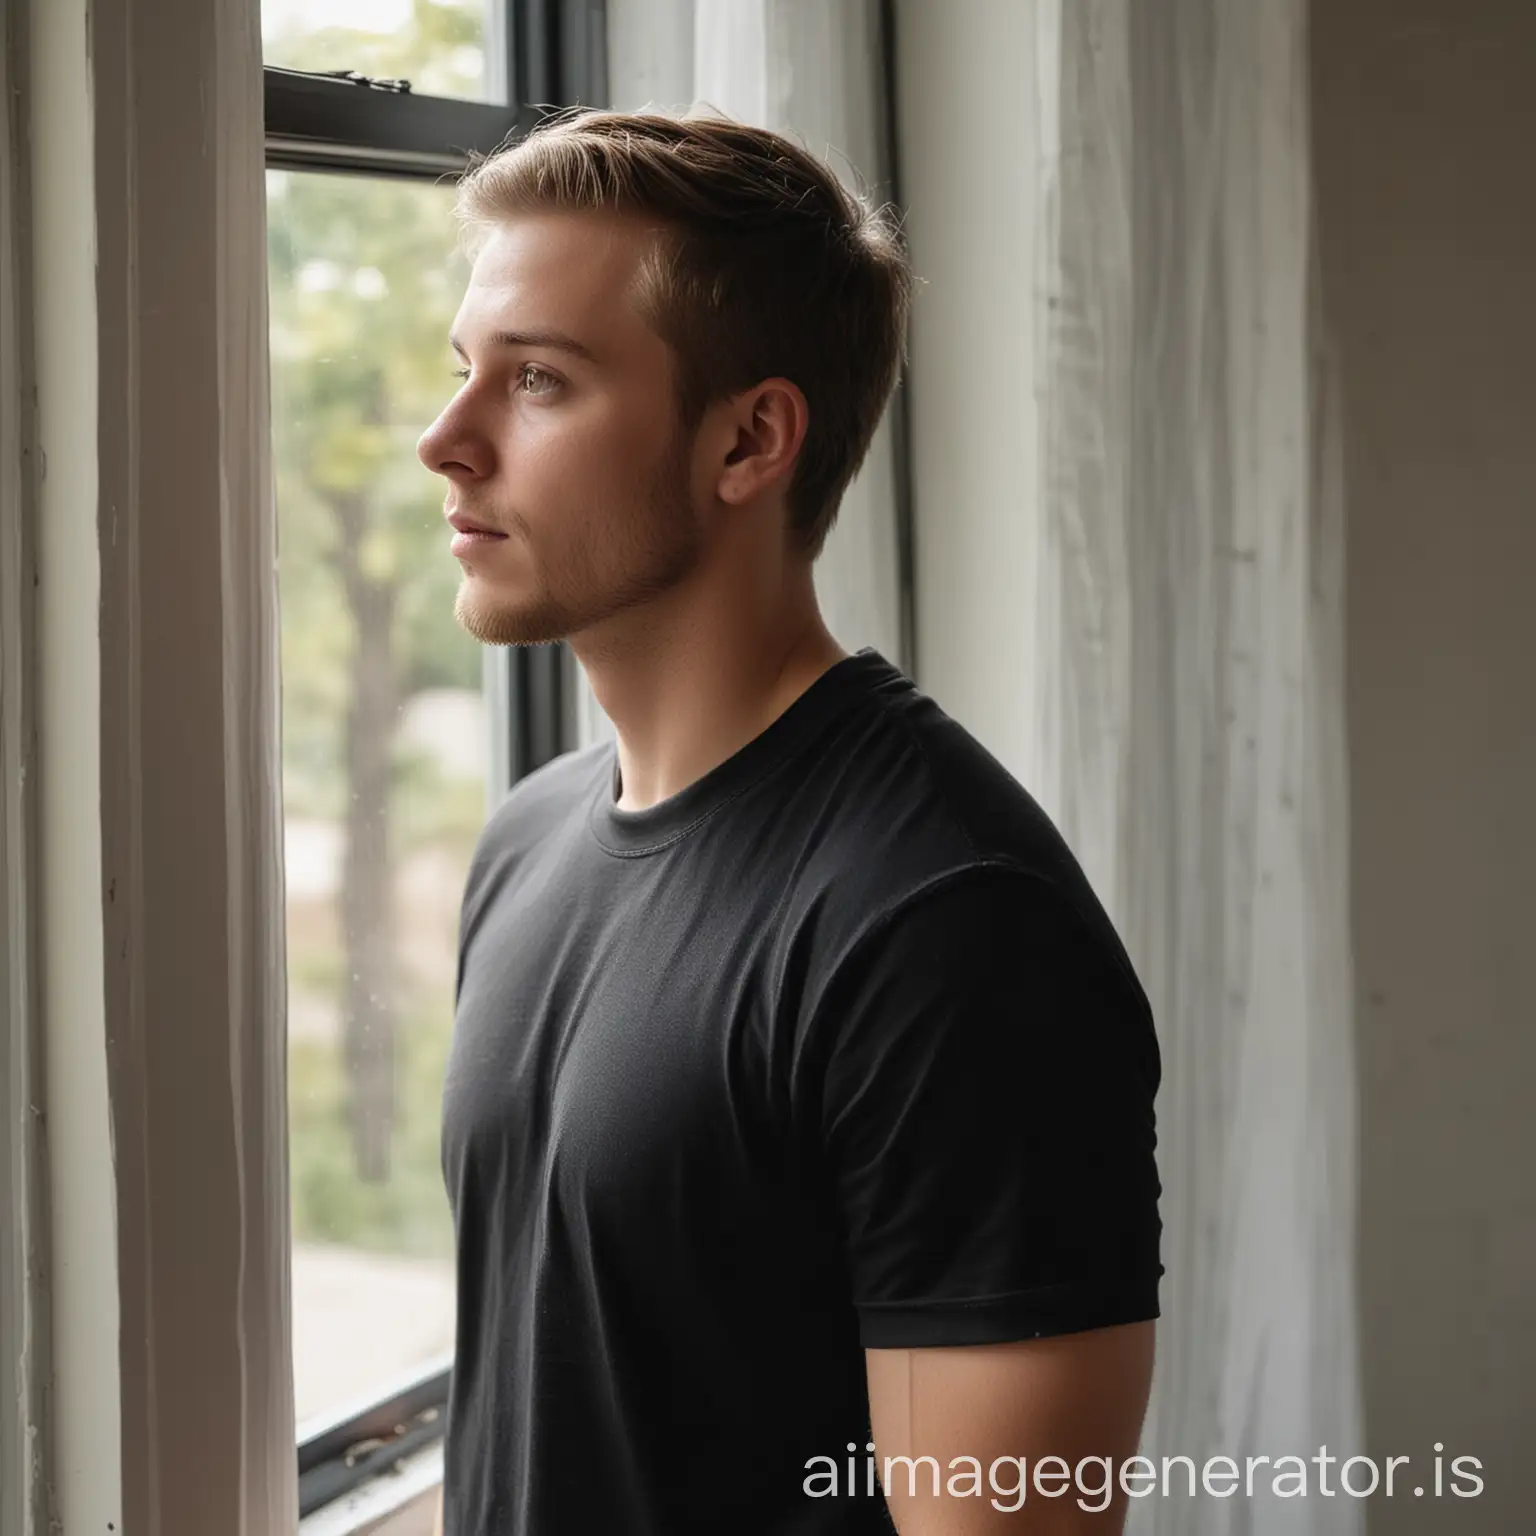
<point x="563" y="436"/>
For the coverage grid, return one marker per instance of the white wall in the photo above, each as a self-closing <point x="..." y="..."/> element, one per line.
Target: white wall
<point x="1425" y="119"/>
<point x="972" y="181"/>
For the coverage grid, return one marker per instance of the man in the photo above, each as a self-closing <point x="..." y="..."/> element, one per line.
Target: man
<point x="798" y="1117"/>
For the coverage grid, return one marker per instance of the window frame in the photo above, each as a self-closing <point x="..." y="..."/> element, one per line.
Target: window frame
<point x="341" y="1451"/>
<point x="24" y="1311"/>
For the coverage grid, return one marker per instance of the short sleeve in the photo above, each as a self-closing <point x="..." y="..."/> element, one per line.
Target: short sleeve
<point x="987" y="1119"/>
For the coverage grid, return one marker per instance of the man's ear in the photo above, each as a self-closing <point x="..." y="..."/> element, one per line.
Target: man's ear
<point x="770" y="422"/>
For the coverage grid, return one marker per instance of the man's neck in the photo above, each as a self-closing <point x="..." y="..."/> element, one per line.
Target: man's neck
<point x="681" y="710"/>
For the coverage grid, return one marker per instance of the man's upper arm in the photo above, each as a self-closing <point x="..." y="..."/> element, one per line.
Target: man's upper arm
<point x="989" y="1416"/>
<point x="987" y="1116"/>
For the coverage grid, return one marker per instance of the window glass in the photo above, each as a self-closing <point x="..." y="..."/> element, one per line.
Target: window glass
<point x="384" y="765"/>
<point x="443" y="47"/>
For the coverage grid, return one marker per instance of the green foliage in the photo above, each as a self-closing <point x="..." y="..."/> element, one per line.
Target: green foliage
<point x="440" y="49"/>
<point x="432" y="810"/>
<point x="315" y="970"/>
<point x="364" y="277"/>
<point x="357" y="377"/>
<point x="408" y="1214"/>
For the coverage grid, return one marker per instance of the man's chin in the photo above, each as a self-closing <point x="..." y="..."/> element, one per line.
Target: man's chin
<point x="493" y="623"/>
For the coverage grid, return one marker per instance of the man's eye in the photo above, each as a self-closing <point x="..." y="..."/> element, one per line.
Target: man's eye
<point x="530" y="372"/>
<point x="530" y="377"/>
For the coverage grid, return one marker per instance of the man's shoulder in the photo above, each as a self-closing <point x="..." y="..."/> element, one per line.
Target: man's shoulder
<point x="536" y="807"/>
<point x="544" y="795"/>
<point x="917" y="815"/>
<point x="917" y="800"/>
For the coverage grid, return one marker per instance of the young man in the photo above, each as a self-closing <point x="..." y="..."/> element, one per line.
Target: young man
<point x="799" y="1113"/>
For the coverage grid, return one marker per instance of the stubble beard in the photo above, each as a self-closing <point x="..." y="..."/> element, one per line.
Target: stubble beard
<point x="654" y="546"/>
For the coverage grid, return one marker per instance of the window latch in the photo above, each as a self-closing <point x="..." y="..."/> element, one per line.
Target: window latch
<point x="355" y="77"/>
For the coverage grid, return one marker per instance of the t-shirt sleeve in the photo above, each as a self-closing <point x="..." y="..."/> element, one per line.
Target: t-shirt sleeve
<point x="987" y="1118"/>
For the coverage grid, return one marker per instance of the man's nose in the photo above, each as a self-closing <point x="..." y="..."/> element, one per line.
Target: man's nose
<point x="427" y="446"/>
<point x="448" y="448"/>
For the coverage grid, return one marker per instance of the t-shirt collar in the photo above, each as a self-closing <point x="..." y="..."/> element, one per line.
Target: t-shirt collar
<point x="658" y="826"/>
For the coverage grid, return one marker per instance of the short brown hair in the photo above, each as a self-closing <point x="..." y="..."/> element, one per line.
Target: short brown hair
<point x="772" y="269"/>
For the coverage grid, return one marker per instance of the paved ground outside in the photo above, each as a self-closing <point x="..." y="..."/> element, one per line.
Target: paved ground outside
<point x="360" y="1320"/>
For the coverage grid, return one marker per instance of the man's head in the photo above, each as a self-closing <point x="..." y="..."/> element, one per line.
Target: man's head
<point x="668" y="319"/>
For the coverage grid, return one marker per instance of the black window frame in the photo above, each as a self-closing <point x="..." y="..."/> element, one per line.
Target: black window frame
<point x="554" y="56"/>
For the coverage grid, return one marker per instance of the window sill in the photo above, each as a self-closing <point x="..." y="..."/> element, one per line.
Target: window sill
<point x="401" y="1502"/>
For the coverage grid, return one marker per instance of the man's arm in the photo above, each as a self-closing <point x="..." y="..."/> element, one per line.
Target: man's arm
<point x="987" y="1110"/>
<point x="1071" y="1396"/>
<point x="437" y="1523"/>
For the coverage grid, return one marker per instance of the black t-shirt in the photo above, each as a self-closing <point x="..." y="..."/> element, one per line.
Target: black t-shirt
<point x="833" y="1049"/>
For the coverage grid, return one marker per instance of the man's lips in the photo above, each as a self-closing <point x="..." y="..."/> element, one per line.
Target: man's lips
<point x="462" y="524"/>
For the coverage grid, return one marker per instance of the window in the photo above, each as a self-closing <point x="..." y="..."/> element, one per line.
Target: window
<point x="399" y="730"/>
<point x="384" y="766"/>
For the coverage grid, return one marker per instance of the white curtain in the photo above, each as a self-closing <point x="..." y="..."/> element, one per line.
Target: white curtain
<point x="1190" y="729"/>
<point x="812" y="69"/>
